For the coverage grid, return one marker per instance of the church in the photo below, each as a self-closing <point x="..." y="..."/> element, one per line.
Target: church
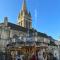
<point x="24" y="27"/>
<point x="10" y="31"/>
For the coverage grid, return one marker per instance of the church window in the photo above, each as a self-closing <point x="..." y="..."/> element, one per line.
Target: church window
<point x="27" y="24"/>
<point x="21" y="23"/>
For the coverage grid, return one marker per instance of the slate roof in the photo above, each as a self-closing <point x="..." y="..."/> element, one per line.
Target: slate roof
<point x="19" y="28"/>
<point x="16" y="27"/>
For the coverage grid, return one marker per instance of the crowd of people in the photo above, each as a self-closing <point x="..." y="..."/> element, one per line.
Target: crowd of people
<point x="40" y="55"/>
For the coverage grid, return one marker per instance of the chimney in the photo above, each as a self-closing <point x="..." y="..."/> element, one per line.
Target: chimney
<point x="5" y="21"/>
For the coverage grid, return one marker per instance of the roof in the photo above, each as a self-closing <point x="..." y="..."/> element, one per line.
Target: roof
<point x="16" y="27"/>
<point x="42" y="34"/>
<point x="19" y="28"/>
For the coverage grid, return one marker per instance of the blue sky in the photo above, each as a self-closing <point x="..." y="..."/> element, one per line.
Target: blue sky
<point x="47" y="13"/>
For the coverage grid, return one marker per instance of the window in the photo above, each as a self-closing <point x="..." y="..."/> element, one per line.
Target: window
<point x="21" y="23"/>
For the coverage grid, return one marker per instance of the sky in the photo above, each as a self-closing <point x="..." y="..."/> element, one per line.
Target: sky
<point x="45" y="14"/>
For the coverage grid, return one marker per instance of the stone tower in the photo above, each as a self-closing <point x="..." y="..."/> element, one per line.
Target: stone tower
<point x="24" y="17"/>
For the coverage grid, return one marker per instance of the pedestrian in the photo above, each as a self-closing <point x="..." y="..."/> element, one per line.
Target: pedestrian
<point x="54" y="58"/>
<point x="33" y="57"/>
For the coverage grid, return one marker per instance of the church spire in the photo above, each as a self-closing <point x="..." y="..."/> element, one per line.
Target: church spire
<point x="24" y="18"/>
<point x="24" y="5"/>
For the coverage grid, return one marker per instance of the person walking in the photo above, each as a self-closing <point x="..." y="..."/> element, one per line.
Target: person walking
<point x="33" y="57"/>
<point x="54" y="58"/>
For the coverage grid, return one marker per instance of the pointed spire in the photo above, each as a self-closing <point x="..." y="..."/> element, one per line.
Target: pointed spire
<point x="24" y="5"/>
